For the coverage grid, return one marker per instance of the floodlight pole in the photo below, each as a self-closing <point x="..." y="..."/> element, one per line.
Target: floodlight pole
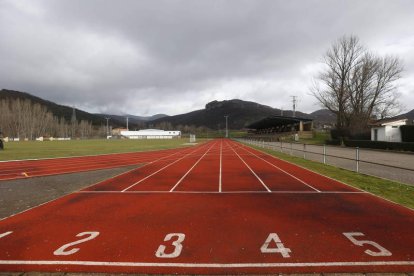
<point x="294" y="100"/>
<point x="107" y="125"/>
<point x="227" y="130"/>
<point x="127" y="122"/>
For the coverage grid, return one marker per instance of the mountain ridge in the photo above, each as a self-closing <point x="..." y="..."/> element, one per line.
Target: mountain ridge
<point x="240" y="113"/>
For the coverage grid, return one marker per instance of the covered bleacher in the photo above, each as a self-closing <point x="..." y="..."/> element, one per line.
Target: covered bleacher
<point x="281" y="126"/>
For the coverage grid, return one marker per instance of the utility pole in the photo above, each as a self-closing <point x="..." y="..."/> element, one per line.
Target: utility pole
<point x="107" y="126"/>
<point x="294" y="100"/>
<point x="227" y="129"/>
<point x="127" y="122"/>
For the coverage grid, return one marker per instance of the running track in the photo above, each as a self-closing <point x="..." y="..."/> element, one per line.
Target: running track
<point x="48" y="166"/>
<point x="218" y="208"/>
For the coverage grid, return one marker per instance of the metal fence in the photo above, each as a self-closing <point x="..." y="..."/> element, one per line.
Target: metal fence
<point x="385" y="164"/>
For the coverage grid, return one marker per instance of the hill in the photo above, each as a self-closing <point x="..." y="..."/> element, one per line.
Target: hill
<point x="66" y="111"/>
<point x="133" y="121"/>
<point x="57" y="110"/>
<point x="409" y="115"/>
<point x="323" y="117"/>
<point x="241" y="113"/>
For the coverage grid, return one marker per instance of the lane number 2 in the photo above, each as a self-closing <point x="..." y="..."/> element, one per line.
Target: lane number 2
<point x="381" y="250"/>
<point x="62" y="250"/>
<point x="177" y="246"/>
<point x="280" y="248"/>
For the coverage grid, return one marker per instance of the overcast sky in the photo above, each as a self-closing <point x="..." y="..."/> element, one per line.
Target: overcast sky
<point x="148" y="57"/>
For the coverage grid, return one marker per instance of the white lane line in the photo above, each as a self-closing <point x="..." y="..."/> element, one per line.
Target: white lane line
<point x="195" y="164"/>
<point x="221" y="157"/>
<point x="145" y="178"/>
<point x="223" y="192"/>
<point x="5" y="234"/>
<point x="280" y="169"/>
<point x="261" y="181"/>
<point x="207" y="265"/>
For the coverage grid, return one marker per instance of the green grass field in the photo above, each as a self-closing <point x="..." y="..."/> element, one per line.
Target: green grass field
<point x="319" y="138"/>
<point x="397" y="192"/>
<point x="51" y="149"/>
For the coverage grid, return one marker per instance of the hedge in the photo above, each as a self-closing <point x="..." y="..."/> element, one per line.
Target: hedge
<point x="380" y="145"/>
<point x="407" y="133"/>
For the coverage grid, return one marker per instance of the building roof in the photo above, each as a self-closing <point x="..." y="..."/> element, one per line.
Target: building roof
<point x="388" y="121"/>
<point x="277" y="121"/>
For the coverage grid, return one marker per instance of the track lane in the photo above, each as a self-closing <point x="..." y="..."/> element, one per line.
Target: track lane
<point x="315" y="180"/>
<point x="32" y="168"/>
<point x="275" y="178"/>
<point x="165" y="178"/>
<point x="236" y="176"/>
<point x="203" y="175"/>
<point x="132" y="178"/>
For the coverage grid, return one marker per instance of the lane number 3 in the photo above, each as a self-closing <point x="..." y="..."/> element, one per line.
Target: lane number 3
<point x="381" y="250"/>
<point x="179" y="238"/>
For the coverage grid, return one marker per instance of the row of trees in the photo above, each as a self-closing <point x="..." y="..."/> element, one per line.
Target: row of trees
<point x="27" y="120"/>
<point x="357" y="85"/>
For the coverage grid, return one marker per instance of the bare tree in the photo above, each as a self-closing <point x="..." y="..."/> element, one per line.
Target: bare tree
<point x="26" y="120"/>
<point x="371" y="89"/>
<point x="356" y="84"/>
<point x="340" y="60"/>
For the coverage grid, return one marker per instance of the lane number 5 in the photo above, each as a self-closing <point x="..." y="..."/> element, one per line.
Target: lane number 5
<point x="381" y="250"/>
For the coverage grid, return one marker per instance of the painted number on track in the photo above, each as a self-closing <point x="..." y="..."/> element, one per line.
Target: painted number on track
<point x="62" y="250"/>
<point x="381" y="250"/>
<point x="280" y="248"/>
<point x="177" y="246"/>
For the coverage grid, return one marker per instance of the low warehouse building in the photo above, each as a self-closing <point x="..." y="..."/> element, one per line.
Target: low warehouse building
<point x="151" y="134"/>
<point x="388" y="130"/>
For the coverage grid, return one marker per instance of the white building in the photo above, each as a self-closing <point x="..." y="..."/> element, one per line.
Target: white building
<point x="388" y="130"/>
<point x="151" y="134"/>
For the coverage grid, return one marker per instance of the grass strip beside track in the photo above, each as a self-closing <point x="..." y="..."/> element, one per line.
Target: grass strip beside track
<point x="52" y="149"/>
<point x="397" y="192"/>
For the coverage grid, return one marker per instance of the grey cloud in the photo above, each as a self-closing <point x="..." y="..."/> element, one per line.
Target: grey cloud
<point x="141" y="56"/>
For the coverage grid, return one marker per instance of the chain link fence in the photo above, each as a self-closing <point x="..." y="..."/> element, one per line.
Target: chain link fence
<point x="390" y="165"/>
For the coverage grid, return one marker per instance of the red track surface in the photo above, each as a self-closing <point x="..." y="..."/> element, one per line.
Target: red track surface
<point x="43" y="167"/>
<point x="217" y="208"/>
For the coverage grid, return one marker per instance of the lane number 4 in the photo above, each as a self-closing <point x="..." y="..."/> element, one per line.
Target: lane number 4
<point x="381" y="250"/>
<point x="280" y="248"/>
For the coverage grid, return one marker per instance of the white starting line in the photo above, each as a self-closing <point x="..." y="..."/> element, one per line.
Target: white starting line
<point x="208" y="265"/>
<point x="222" y="192"/>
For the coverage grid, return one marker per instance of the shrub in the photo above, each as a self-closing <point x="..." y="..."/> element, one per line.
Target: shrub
<point x="407" y="133"/>
<point x="380" y="145"/>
